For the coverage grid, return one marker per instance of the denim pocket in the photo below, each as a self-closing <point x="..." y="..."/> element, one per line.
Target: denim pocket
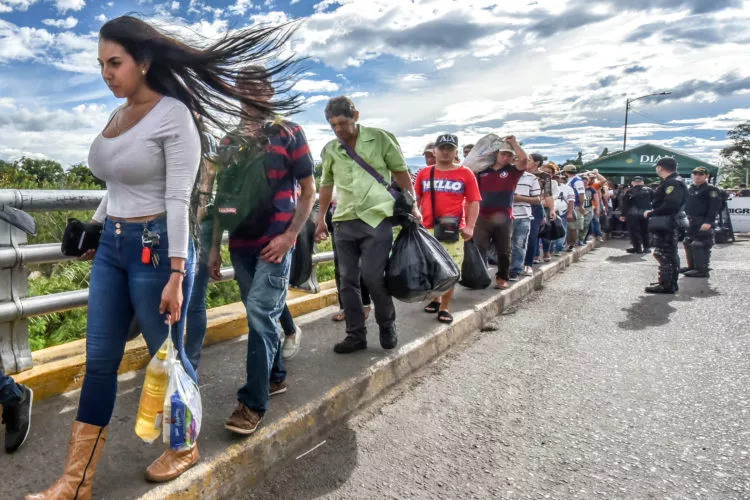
<point x="278" y="282"/>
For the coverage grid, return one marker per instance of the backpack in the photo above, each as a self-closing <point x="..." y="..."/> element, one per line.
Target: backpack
<point x="243" y="193"/>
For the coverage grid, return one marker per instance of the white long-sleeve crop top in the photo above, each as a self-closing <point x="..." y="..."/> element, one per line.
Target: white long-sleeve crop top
<point x="150" y="169"/>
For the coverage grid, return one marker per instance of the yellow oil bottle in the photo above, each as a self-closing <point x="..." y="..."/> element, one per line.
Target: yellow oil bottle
<point x="149" y="422"/>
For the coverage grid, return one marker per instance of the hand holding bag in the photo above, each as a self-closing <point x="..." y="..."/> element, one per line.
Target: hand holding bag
<point x="80" y="237"/>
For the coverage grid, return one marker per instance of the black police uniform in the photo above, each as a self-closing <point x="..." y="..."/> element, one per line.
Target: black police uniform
<point x="637" y="200"/>
<point x="703" y="204"/>
<point x="669" y="198"/>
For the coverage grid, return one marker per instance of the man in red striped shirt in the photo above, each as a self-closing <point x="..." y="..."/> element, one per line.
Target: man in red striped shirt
<point x="495" y="223"/>
<point x="261" y="251"/>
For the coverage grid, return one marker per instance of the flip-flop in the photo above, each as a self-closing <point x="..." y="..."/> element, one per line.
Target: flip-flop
<point x="445" y="317"/>
<point x="432" y="307"/>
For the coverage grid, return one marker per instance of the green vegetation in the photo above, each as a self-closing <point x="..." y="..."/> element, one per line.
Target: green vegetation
<point x="737" y="168"/>
<point x="59" y="328"/>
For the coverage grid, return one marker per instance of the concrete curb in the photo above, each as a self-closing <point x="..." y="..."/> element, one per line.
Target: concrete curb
<point x="240" y="465"/>
<point x="60" y="369"/>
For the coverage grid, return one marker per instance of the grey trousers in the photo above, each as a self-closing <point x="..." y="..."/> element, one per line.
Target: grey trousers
<point x="364" y="251"/>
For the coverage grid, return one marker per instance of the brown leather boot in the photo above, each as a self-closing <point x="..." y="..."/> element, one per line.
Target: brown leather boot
<point x="172" y="464"/>
<point x="84" y="451"/>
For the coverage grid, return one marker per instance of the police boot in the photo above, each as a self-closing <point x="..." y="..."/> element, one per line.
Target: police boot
<point x="666" y="274"/>
<point x="700" y="261"/>
<point x="688" y="257"/>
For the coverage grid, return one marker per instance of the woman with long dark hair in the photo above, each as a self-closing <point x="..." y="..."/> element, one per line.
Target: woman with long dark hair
<point x="148" y="153"/>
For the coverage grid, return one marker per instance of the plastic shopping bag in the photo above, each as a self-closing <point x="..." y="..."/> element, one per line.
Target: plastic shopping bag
<point x="419" y="267"/>
<point x="474" y="272"/>
<point x="484" y="153"/>
<point x="183" y="411"/>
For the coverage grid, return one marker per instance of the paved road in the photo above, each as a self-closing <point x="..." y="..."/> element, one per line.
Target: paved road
<point x="590" y="389"/>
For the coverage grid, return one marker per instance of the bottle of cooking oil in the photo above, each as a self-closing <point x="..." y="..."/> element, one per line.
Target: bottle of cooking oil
<point x="150" y="411"/>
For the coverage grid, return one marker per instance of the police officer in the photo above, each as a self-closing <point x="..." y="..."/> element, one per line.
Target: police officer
<point x="669" y="199"/>
<point x="636" y="201"/>
<point x="703" y="204"/>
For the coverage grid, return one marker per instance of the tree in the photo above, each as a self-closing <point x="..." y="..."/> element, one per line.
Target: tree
<point x="737" y="155"/>
<point x="80" y="176"/>
<point x="44" y="171"/>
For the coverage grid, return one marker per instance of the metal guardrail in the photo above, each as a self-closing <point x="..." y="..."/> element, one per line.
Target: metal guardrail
<point x="15" y="255"/>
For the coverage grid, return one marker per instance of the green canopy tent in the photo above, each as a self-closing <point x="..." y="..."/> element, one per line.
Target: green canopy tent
<point x="642" y="161"/>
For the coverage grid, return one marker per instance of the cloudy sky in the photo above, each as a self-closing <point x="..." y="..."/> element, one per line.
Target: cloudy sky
<point x="556" y="73"/>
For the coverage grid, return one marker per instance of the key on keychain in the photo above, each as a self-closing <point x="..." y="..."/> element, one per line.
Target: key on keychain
<point x="154" y="239"/>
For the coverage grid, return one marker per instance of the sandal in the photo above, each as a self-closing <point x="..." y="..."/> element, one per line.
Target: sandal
<point x="367" y="312"/>
<point x="338" y="317"/>
<point x="445" y="317"/>
<point x="432" y="307"/>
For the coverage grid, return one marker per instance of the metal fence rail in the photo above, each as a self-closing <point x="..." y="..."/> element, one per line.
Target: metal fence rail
<point x="15" y="255"/>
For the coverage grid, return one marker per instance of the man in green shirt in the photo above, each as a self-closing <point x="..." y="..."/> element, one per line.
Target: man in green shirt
<point x="364" y="232"/>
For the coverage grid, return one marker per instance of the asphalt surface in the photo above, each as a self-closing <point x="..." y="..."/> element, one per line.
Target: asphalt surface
<point x="589" y="389"/>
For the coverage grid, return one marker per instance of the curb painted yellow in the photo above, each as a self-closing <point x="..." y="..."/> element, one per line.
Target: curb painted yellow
<point x="61" y="368"/>
<point x="232" y="472"/>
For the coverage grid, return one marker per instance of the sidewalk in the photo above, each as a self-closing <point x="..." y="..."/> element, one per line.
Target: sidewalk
<point x="323" y="389"/>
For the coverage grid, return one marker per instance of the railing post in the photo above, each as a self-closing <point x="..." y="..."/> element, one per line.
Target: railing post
<point x="15" y="354"/>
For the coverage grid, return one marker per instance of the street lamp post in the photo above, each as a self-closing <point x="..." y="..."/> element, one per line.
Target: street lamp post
<point x="628" y="102"/>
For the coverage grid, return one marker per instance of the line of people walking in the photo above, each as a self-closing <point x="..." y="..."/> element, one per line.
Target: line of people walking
<point x="172" y="191"/>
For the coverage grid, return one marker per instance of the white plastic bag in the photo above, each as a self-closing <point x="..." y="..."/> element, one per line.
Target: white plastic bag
<point x="484" y="153"/>
<point x="183" y="410"/>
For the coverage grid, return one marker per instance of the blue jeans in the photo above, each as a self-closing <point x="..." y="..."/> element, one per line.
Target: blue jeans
<point x="196" y="315"/>
<point x="122" y="287"/>
<point x="532" y="250"/>
<point x="287" y="321"/>
<point x="9" y="391"/>
<point x="559" y="244"/>
<point x="263" y="288"/>
<point x="596" y="227"/>
<point x="519" y="243"/>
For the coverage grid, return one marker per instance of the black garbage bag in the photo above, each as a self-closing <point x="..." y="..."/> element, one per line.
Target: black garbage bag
<point x="552" y="230"/>
<point x="419" y="267"/>
<point x="474" y="272"/>
<point x="302" y="264"/>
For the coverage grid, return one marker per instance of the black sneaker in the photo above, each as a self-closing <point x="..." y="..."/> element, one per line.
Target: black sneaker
<point x="349" y="345"/>
<point x="17" y="420"/>
<point x="388" y="337"/>
<point x="660" y="289"/>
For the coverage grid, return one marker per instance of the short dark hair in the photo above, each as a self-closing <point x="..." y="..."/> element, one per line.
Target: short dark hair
<point x="340" y="106"/>
<point x="743" y="185"/>
<point x="469" y="146"/>
<point x="668" y="164"/>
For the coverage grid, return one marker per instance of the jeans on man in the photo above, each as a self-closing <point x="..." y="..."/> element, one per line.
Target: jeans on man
<point x="363" y="251"/>
<point x="521" y="229"/>
<point x="263" y="289"/>
<point x="532" y="248"/>
<point x="596" y="227"/>
<point x="497" y="231"/>
<point x="559" y="244"/>
<point x="584" y="233"/>
<point x="123" y="287"/>
<point x="10" y="393"/>
<point x="287" y="321"/>
<point x="196" y="316"/>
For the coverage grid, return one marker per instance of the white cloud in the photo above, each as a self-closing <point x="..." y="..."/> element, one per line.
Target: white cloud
<point x="18" y="5"/>
<point x="316" y="98"/>
<point x="175" y="6"/>
<point x="65" y="5"/>
<point x="67" y="23"/>
<point x="101" y="18"/>
<point x="308" y="86"/>
<point x="240" y="7"/>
